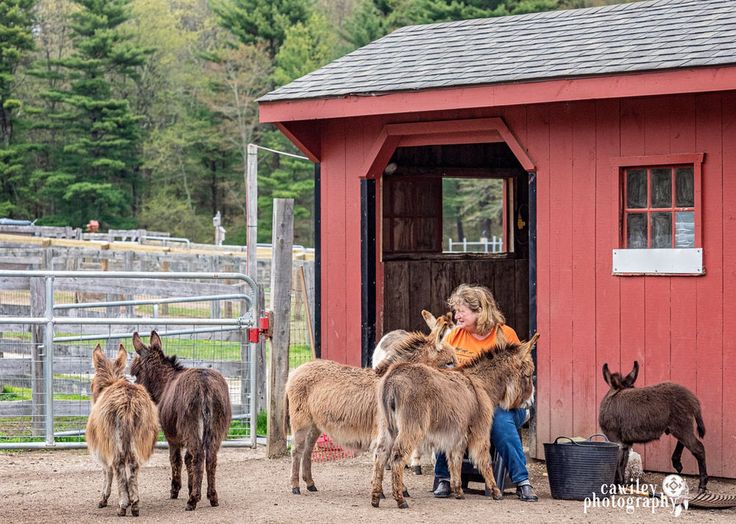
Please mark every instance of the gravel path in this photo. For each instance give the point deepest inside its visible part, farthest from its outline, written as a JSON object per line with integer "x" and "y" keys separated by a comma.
{"x": 62, "y": 486}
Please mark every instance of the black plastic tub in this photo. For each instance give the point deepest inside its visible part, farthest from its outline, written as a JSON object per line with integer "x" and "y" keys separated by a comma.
{"x": 579, "y": 469}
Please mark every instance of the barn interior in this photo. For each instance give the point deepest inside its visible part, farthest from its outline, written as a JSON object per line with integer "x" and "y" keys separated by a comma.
{"x": 435, "y": 196}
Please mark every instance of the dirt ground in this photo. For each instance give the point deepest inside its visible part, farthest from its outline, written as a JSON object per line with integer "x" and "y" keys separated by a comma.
{"x": 63, "y": 486}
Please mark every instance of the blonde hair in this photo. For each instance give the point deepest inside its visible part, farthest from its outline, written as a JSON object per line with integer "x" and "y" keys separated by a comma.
{"x": 478, "y": 299}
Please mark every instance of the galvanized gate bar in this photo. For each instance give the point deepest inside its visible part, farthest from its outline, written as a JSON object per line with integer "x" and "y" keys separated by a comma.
{"x": 49, "y": 321}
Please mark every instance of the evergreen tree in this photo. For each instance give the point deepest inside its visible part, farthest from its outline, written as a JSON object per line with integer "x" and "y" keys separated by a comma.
{"x": 95, "y": 175}
{"x": 15, "y": 41}
{"x": 366, "y": 24}
{"x": 262, "y": 21}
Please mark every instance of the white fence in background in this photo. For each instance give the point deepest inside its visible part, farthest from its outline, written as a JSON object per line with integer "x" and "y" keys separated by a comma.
{"x": 484, "y": 245}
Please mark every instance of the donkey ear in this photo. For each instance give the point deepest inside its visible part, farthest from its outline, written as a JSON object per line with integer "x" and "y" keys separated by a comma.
{"x": 155, "y": 340}
{"x": 501, "y": 340}
{"x": 121, "y": 361}
{"x": 530, "y": 344}
{"x": 98, "y": 357}
{"x": 138, "y": 344}
{"x": 429, "y": 319}
{"x": 607, "y": 374}
{"x": 438, "y": 332}
{"x": 631, "y": 377}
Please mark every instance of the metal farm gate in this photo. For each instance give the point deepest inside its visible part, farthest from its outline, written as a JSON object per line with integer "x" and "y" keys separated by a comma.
{"x": 50, "y": 321}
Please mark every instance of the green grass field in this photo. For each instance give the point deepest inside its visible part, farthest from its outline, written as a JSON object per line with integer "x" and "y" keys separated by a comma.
{"x": 18, "y": 393}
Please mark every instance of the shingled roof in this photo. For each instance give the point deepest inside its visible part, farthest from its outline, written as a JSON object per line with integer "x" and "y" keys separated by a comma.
{"x": 622, "y": 38}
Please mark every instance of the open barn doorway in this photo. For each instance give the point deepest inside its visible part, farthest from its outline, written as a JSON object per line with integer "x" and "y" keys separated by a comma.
{"x": 453, "y": 214}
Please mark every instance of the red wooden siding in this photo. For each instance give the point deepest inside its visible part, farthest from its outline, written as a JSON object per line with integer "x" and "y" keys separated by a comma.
{"x": 678, "y": 328}
{"x": 728, "y": 391}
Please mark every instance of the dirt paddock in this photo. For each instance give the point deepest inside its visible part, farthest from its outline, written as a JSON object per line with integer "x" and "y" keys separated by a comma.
{"x": 63, "y": 486}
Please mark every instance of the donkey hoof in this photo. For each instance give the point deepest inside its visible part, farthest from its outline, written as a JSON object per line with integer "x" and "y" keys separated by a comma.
{"x": 296, "y": 491}
{"x": 496, "y": 494}
{"x": 312, "y": 488}
{"x": 406, "y": 493}
{"x": 375, "y": 501}
{"x": 460, "y": 496}
{"x": 214, "y": 502}
{"x": 135, "y": 512}
{"x": 121, "y": 512}
{"x": 102, "y": 503}
{"x": 191, "y": 506}
{"x": 403, "y": 505}
{"x": 417, "y": 470}
{"x": 174, "y": 495}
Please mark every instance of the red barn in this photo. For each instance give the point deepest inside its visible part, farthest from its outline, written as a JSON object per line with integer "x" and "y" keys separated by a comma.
{"x": 610, "y": 137}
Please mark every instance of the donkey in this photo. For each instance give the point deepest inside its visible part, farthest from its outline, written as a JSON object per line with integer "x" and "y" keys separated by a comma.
{"x": 631, "y": 415}
{"x": 195, "y": 413}
{"x": 383, "y": 347}
{"x": 121, "y": 429}
{"x": 449, "y": 409}
{"x": 324, "y": 396}
{"x": 381, "y": 352}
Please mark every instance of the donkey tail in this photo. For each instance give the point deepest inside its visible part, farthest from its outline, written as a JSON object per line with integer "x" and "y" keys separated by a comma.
{"x": 699, "y": 423}
{"x": 388, "y": 393}
{"x": 287, "y": 420}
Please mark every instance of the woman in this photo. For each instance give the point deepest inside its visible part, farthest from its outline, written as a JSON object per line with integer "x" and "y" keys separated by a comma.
{"x": 477, "y": 320}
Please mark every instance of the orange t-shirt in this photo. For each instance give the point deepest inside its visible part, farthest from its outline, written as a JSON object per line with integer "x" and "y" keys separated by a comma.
{"x": 468, "y": 347}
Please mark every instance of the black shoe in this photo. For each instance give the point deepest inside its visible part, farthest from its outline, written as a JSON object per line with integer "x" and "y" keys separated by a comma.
{"x": 526, "y": 493}
{"x": 443, "y": 489}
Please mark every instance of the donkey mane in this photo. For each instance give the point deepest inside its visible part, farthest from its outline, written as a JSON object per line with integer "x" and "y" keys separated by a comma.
{"x": 493, "y": 353}
{"x": 406, "y": 349}
{"x": 173, "y": 361}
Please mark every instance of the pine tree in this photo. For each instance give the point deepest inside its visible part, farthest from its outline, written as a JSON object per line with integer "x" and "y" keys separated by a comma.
{"x": 262, "y": 21}
{"x": 15, "y": 41}
{"x": 95, "y": 174}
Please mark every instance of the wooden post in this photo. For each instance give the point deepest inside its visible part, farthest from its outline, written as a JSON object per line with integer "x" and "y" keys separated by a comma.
{"x": 305, "y": 294}
{"x": 215, "y": 304}
{"x": 283, "y": 240}
{"x": 164, "y": 308}
{"x": 38, "y": 352}
{"x": 111, "y": 345}
{"x": 128, "y": 266}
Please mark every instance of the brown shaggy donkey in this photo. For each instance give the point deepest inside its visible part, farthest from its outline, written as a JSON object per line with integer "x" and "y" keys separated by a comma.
{"x": 382, "y": 351}
{"x": 121, "y": 429}
{"x": 450, "y": 410}
{"x": 194, "y": 409}
{"x": 630, "y": 415}
{"x": 340, "y": 400}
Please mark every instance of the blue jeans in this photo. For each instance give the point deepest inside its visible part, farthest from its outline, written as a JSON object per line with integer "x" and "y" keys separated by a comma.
{"x": 505, "y": 437}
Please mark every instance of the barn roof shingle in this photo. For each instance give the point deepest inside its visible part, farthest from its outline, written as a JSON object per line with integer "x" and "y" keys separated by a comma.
{"x": 621, "y": 38}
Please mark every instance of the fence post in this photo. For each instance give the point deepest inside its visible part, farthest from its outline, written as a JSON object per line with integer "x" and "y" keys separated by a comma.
{"x": 38, "y": 310}
{"x": 281, "y": 267}
{"x": 307, "y": 274}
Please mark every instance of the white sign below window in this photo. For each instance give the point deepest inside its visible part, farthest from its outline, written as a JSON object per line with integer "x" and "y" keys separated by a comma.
{"x": 676, "y": 261}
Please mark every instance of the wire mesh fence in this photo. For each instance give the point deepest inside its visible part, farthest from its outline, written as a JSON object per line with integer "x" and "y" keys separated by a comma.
{"x": 45, "y": 401}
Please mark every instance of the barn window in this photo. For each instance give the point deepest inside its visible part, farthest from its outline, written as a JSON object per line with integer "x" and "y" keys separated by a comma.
{"x": 474, "y": 215}
{"x": 659, "y": 215}
{"x": 659, "y": 208}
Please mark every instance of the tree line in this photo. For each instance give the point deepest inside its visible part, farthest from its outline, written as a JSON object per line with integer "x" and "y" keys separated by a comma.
{"x": 137, "y": 113}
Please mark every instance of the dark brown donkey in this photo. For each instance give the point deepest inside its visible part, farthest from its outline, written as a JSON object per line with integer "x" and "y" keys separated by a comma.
{"x": 194, "y": 409}
{"x": 630, "y": 415}
{"x": 450, "y": 410}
